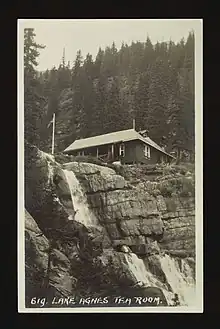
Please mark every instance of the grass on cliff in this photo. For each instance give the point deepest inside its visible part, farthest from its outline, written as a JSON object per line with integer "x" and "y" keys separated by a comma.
{"x": 64, "y": 158}
{"x": 178, "y": 179}
{"x": 182, "y": 186}
{"x": 171, "y": 179}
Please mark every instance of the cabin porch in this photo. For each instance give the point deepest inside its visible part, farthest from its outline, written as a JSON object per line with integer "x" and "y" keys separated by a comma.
{"x": 106, "y": 153}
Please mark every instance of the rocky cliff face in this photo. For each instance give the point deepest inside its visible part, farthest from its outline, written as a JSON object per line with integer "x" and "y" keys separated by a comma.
{"x": 97, "y": 231}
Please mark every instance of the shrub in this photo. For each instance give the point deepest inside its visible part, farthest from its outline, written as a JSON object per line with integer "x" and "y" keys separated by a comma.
{"x": 156, "y": 192}
{"x": 89, "y": 159}
{"x": 64, "y": 158}
{"x": 167, "y": 189}
{"x": 187, "y": 188}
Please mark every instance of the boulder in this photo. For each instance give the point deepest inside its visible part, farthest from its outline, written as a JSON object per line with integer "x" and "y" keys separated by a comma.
{"x": 60, "y": 277}
{"x": 41, "y": 199}
{"x": 146, "y": 226}
{"x": 146, "y": 249}
{"x": 83, "y": 168}
{"x": 36, "y": 247}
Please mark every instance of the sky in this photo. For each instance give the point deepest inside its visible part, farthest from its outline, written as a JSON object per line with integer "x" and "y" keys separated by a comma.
{"x": 90, "y": 34}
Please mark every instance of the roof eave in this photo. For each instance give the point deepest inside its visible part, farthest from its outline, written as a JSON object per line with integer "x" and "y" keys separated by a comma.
{"x": 146, "y": 142}
{"x": 80, "y": 148}
{"x": 96, "y": 145}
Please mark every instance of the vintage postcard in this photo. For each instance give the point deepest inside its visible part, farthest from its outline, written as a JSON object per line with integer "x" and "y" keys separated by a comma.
{"x": 110, "y": 206}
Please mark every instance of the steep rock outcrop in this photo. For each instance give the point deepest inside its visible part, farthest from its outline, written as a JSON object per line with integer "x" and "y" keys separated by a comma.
{"x": 47, "y": 270}
{"x": 74, "y": 258}
{"x": 136, "y": 212}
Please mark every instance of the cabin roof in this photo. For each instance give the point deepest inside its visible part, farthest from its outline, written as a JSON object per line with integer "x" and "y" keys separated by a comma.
{"x": 114, "y": 137}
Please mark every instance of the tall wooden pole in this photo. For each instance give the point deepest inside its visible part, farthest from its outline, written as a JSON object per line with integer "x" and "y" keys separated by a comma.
{"x": 53, "y": 133}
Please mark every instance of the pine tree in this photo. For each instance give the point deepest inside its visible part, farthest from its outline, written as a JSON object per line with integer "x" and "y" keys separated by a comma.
{"x": 88, "y": 67}
{"x": 148, "y": 55}
{"x": 98, "y": 109}
{"x": 77, "y": 67}
{"x": 64, "y": 78}
{"x": 113, "y": 114}
{"x": 109, "y": 63}
{"x": 98, "y": 63}
{"x": 141, "y": 102}
{"x": 66, "y": 130}
{"x": 30, "y": 52}
{"x": 136, "y": 57}
{"x": 33, "y": 101}
{"x": 157, "y": 104}
{"x": 88, "y": 91}
{"x": 154, "y": 84}
{"x": 78, "y": 110}
{"x": 123, "y": 59}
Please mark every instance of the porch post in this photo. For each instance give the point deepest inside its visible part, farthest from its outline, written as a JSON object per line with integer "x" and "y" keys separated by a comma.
{"x": 97, "y": 152}
{"x": 112, "y": 151}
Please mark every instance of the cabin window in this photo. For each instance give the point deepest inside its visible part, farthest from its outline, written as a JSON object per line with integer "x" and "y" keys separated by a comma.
{"x": 147, "y": 151}
{"x": 122, "y": 150}
{"x": 80, "y": 153}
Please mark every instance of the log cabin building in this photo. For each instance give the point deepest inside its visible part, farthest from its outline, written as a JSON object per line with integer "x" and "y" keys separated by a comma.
{"x": 126, "y": 146}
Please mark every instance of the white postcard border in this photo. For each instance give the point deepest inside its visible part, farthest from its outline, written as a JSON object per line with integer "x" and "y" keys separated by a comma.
{"x": 198, "y": 308}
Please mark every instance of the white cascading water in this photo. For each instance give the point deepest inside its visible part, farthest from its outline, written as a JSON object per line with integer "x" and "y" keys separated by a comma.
{"x": 83, "y": 214}
{"x": 180, "y": 279}
{"x": 137, "y": 267}
{"x": 145, "y": 277}
{"x": 50, "y": 159}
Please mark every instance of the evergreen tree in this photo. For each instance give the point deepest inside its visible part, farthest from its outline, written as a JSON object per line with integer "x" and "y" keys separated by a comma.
{"x": 136, "y": 57}
{"x": 109, "y": 64}
{"x": 153, "y": 84}
{"x": 77, "y": 68}
{"x": 113, "y": 117}
{"x": 141, "y": 103}
{"x": 98, "y": 63}
{"x": 88, "y": 91}
{"x": 66, "y": 129}
{"x": 157, "y": 104}
{"x": 78, "y": 110}
{"x": 88, "y": 67}
{"x": 148, "y": 55}
{"x": 64, "y": 78}
{"x": 123, "y": 59}
{"x": 98, "y": 109}
{"x": 33, "y": 101}
{"x": 30, "y": 52}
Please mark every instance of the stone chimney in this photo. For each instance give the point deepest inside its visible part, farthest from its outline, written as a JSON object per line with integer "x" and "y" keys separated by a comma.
{"x": 143, "y": 133}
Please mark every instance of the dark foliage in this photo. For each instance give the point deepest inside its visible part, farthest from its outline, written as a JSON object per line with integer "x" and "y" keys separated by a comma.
{"x": 153, "y": 84}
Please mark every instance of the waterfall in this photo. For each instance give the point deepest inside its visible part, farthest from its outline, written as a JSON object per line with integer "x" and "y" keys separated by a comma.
{"x": 83, "y": 214}
{"x": 50, "y": 172}
{"x": 145, "y": 277}
{"x": 178, "y": 274}
{"x": 180, "y": 278}
{"x": 46, "y": 156}
{"x": 138, "y": 269}
{"x": 50, "y": 160}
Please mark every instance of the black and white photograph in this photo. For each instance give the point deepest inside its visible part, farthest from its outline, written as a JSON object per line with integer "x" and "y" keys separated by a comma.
{"x": 110, "y": 208}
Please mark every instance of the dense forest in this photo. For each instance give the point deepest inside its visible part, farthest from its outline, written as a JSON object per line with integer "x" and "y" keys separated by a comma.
{"x": 153, "y": 84}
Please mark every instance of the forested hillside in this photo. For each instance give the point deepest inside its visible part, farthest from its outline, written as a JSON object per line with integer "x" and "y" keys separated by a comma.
{"x": 153, "y": 84}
